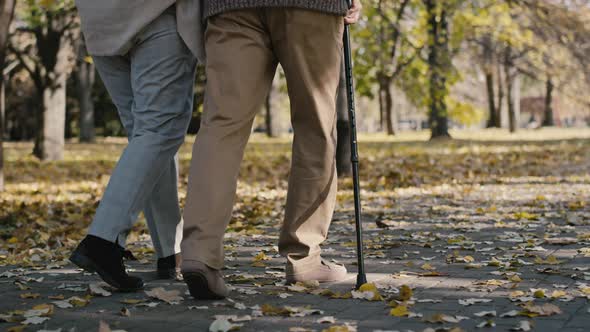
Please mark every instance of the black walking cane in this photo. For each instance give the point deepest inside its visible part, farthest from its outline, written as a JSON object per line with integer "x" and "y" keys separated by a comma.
{"x": 361, "y": 277}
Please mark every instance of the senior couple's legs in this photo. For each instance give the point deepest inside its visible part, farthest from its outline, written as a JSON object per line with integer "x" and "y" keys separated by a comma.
{"x": 243, "y": 49}
{"x": 152, "y": 87}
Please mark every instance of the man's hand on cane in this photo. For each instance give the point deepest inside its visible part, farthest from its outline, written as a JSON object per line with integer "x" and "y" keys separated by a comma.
{"x": 354, "y": 13}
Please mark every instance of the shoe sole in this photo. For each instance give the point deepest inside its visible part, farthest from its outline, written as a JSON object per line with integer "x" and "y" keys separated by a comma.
{"x": 291, "y": 279}
{"x": 199, "y": 287}
{"x": 85, "y": 263}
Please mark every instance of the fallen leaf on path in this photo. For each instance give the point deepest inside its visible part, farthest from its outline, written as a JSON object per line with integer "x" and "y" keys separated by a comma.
{"x": 405, "y": 293}
{"x": 511, "y": 313}
{"x": 125, "y": 312}
{"x": 522, "y": 326}
{"x": 36, "y": 320}
{"x": 203, "y": 307}
{"x": 223, "y": 325}
{"x": 327, "y": 320}
{"x": 468, "y": 302}
{"x": 39, "y": 310}
{"x": 170, "y": 297}
{"x": 367, "y": 292}
{"x": 234, "y": 318}
{"x": 550, "y": 260}
{"x": 19, "y": 328}
{"x": 486, "y": 323}
{"x": 399, "y": 311}
{"x": 104, "y": 327}
{"x": 97, "y": 290}
{"x": 486, "y": 313}
{"x": 30, "y": 296}
{"x": 546, "y": 309}
{"x": 63, "y": 304}
{"x": 442, "y": 318}
{"x": 340, "y": 328}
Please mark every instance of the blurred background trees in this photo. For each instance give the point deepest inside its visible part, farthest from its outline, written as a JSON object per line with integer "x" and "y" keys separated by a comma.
{"x": 6, "y": 15}
{"x": 419, "y": 64}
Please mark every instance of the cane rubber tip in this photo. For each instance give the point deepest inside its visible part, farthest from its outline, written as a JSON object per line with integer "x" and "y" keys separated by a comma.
{"x": 361, "y": 279}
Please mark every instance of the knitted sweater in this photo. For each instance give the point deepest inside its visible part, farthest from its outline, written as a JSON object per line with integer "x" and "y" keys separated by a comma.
{"x": 213, "y": 7}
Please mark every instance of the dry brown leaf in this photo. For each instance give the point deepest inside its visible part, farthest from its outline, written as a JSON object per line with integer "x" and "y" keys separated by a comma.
{"x": 170, "y": 297}
{"x": 546, "y": 309}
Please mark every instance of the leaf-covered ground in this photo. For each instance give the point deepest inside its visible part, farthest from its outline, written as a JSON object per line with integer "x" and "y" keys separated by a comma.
{"x": 488, "y": 230}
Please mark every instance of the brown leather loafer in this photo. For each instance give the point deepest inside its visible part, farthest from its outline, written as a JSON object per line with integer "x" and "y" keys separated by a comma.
{"x": 322, "y": 272}
{"x": 204, "y": 283}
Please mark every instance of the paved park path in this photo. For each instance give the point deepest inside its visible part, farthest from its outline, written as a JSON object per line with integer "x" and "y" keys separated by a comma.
{"x": 502, "y": 256}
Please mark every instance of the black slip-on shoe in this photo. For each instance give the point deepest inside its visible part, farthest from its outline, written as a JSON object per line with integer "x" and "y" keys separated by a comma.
{"x": 105, "y": 258}
{"x": 169, "y": 267}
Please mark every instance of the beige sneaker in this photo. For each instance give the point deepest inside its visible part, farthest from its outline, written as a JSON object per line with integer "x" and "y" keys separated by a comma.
{"x": 324, "y": 272}
{"x": 204, "y": 283}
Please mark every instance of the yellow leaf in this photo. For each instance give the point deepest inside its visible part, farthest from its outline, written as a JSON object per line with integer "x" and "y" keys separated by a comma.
{"x": 468, "y": 259}
{"x": 46, "y": 307}
{"x": 551, "y": 260}
{"x": 576, "y": 205}
{"x": 539, "y": 294}
{"x": 258, "y": 264}
{"x": 399, "y": 311}
{"x": 338, "y": 328}
{"x": 558, "y": 294}
{"x": 427, "y": 267}
{"x": 261, "y": 257}
{"x": 132, "y": 301}
{"x": 494, "y": 262}
{"x": 269, "y": 310}
{"x": 515, "y": 278}
{"x": 546, "y": 309}
{"x": 525, "y": 215}
{"x": 12, "y": 240}
{"x": 517, "y": 293}
{"x": 19, "y": 328}
{"x": 370, "y": 287}
{"x": 405, "y": 293}
{"x": 347, "y": 295}
{"x": 78, "y": 302}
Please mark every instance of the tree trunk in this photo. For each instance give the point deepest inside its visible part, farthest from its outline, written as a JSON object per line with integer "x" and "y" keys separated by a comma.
{"x": 391, "y": 116}
{"x": 488, "y": 68}
{"x": 382, "y": 115}
{"x": 85, "y": 77}
{"x": 6, "y": 15}
{"x": 512, "y": 89}
{"x": 438, "y": 64}
{"x": 500, "y": 102}
{"x": 2, "y": 109}
{"x": 491, "y": 101}
{"x": 271, "y": 107}
{"x": 549, "y": 121}
{"x": 50, "y": 140}
{"x": 343, "y": 152}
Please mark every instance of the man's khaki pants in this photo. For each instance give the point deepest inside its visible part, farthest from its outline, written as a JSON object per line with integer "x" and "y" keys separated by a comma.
{"x": 243, "y": 50}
